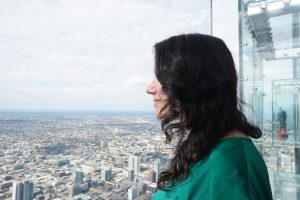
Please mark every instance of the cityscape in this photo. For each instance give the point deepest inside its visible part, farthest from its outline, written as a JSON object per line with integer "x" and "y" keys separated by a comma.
{"x": 101, "y": 156}
{"x": 80, "y": 155}
{"x": 98, "y": 55}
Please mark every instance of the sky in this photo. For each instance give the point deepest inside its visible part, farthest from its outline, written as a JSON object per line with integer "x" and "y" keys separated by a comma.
{"x": 87, "y": 55}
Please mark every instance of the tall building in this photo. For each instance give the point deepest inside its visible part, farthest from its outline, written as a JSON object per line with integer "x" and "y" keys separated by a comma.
{"x": 17, "y": 191}
{"x": 27, "y": 190}
{"x": 133, "y": 193}
{"x": 152, "y": 176}
{"x": 106, "y": 174}
{"x": 23, "y": 190}
{"x": 78, "y": 178}
{"x": 130, "y": 163}
{"x": 134, "y": 164}
{"x": 76, "y": 190}
{"x": 142, "y": 188}
{"x": 84, "y": 187}
{"x": 130, "y": 175}
{"x": 157, "y": 169}
{"x": 77, "y": 182}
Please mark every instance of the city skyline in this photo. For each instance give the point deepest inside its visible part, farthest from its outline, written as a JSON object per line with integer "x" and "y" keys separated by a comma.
{"x": 69, "y": 155}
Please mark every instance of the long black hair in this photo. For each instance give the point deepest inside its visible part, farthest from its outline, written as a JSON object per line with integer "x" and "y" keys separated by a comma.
{"x": 198, "y": 74}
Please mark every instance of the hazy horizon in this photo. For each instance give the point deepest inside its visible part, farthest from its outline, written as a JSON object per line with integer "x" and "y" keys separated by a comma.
{"x": 74, "y": 110}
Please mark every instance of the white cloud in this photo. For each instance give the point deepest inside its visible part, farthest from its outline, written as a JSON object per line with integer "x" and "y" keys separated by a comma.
{"x": 62, "y": 49}
{"x": 138, "y": 81}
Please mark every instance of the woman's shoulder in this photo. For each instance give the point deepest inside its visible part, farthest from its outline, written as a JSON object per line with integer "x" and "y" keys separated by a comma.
{"x": 229, "y": 144}
{"x": 226, "y": 168}
{"x": 236, "y": 165}
{"x": 230, "y": 155}
{"x": 233, "y": 141}
{"x": 237, "y": 158}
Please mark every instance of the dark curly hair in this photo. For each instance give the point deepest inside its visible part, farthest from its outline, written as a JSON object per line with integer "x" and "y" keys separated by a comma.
{"x": 198, "y": 74}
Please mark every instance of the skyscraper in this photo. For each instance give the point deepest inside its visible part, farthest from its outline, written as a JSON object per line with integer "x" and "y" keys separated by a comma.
{"x": 77, "y": 182}
{"x": 17, "y": 191}
{"x": 133, "y": 193}
{"x": 130, "y": 175}
{"x": 27, "y": 190}
{"x": 157, "y": 169}
{"x": 78, "y": 178}
{"x": 130, "y": 163}
{"x": 106, "y": 174}
{"x": 23, "y": 190}
{"x": 152, "y": 176}
{"x": 134, "y": 164}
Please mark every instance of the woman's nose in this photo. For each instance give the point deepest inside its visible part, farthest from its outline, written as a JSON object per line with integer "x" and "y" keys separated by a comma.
{"x": 151, "y": 88}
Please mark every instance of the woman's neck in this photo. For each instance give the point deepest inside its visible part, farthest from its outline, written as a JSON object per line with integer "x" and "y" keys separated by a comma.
{"x": 235, "y": 133}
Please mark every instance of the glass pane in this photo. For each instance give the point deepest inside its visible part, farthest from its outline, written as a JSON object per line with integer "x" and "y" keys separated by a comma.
{"x": 270, "y": 83}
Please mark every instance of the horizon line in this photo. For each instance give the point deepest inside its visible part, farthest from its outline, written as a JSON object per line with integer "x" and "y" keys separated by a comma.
{"x": 74, "y": 110}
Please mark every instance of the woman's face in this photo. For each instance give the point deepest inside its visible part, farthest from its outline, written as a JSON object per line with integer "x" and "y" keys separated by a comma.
{"x": 160, "y": 99}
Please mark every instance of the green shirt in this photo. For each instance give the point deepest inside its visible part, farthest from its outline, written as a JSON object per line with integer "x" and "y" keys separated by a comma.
{"x": 234, "y": 170}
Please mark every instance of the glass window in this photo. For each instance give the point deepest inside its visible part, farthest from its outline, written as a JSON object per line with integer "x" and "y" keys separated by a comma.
{"x": 270, "y": 85}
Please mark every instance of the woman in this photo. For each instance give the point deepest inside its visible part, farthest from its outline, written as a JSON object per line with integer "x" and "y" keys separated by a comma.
{"x": 195, "y": 97}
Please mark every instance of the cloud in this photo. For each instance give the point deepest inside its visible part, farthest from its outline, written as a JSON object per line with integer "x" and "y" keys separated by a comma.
{"x": 85, "y": 51}
{"x": 21, "y": 75}
{"x": 94, "y": 90}
{"x": 138, "y": 81}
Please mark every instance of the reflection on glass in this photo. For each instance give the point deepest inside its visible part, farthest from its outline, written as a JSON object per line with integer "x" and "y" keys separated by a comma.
{"x": 270, "y": 85}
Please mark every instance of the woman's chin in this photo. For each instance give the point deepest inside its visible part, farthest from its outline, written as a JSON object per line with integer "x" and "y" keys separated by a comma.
{"x": 158, "y": 115}
{"x": 161, "y": 115}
